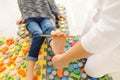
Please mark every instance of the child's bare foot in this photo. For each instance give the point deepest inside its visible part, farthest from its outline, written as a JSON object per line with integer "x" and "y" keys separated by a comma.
{"x": 58, "y": 42}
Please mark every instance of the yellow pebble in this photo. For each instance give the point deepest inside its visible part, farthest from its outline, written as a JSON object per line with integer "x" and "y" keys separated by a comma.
{"x": 27, "y": 32}
{"x": 12, "y": 67}
{"x": 12, "y": 50}
{"x": 20, "y": 54}
{"x": 63, "y": 30}
{"x": 25, "y": 45}
{"x": 62, "y": 12}
{"x": 1, "y": 59}
{"x": 61, "y": 8}
{"x": 22, "y": 32}
{"x": 62, "y": 22}
{"x": 23, "y": 25}
{"x": 44, "y": 71}
{"x": 22, "y": 28}
{"x": 28, "y": 37}
{"x": 62, "y": 26}
{"x": 57, "y": 30}
{"x": 1, "y": 76}
{"x": 62, "y": 19}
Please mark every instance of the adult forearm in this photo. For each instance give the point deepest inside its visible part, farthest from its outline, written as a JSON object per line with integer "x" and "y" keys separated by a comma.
{"x": 76, "y": 52}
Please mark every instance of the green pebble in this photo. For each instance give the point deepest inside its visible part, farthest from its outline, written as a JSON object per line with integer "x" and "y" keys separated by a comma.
{"x": 70, "y": 69}
{"x": 75, "y": 39}
{"x": 51, "y": 53}
{"x": 1, "y": 42}
{"x": 77, "y": 77}
{"x": 77, "y": 71}
{"x": 67, "y": 44}
{"x": 104, "y": 78}
{"x": 19, "y": 47}
{"x": 53, "y": 68}
{"x": 56, "y": 78}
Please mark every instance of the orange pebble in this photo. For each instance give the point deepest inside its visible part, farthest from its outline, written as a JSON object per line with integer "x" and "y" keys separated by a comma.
{"x": 2, "y": 68}
{"x": 35, "y": 78}
{"x": 25, "y": 51}
{"x": 40, "y": 52}
{"x": 9, "y": 63}
{"x": 1, "y": 64}
{"x": 83, "y": 69}
{"x": 9, "y": 41}
{"x": 4, "y": 50}
{"x": 14, "y": 58}
{"x": 22, "y": 72}
{"x": 60, "y": 73}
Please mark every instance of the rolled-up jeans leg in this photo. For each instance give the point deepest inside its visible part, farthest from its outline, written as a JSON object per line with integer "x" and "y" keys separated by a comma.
{"x": 34, "y": 28}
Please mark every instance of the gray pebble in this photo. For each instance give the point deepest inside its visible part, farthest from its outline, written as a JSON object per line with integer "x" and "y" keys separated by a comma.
{"x": 51, "y": 77}
{"x": 66, "y": 73}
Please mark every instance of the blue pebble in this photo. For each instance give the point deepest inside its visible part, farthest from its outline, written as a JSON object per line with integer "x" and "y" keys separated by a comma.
{"x": 94, "y": 79}
{"x": 49, "y": 70}
{"x": 64, "y": 78}
{"x": 75, "y": 66}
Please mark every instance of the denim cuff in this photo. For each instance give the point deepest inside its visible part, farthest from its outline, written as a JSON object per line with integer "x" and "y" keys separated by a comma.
{"x": 32, "y": 58}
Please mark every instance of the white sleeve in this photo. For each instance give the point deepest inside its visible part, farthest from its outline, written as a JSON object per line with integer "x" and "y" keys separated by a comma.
{"x": 93, "y": 16}
{"x": 105, "y": 35}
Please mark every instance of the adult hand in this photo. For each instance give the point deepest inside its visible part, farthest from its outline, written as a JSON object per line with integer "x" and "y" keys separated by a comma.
{"x": 58, "y": 62}
{"x": 21, "y": 21}
{"x": 62, "y": 17}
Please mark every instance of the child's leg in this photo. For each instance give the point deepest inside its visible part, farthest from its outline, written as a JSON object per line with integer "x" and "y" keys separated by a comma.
{"x": 37, "y": 41}
{"x": 57, "y": 44}
{"x": 30, "y": 70}
{"x": 33, "y": 56}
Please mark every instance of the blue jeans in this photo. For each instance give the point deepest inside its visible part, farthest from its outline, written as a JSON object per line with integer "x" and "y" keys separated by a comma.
{"x": 38, "y": 26}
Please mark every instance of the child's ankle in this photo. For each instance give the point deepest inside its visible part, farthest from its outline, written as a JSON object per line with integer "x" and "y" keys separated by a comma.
{"x": 29, "y": 75}
{"x": 51, "y": 43}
